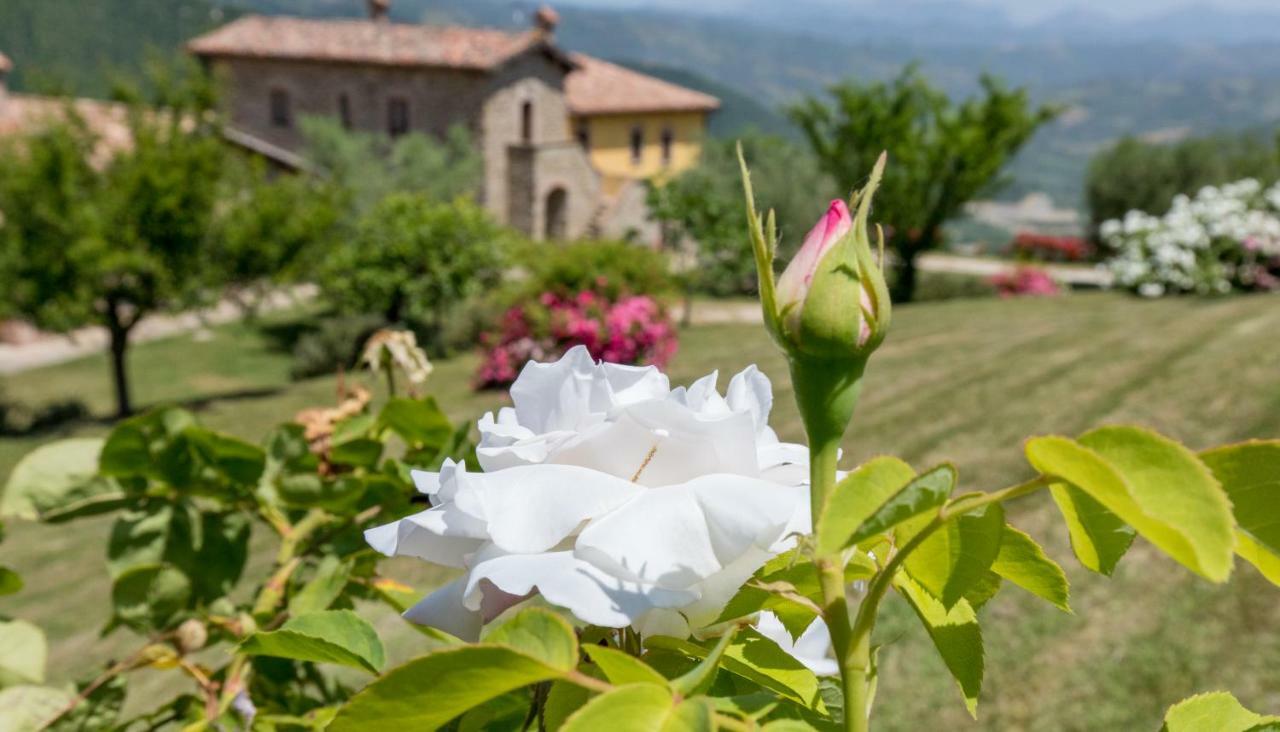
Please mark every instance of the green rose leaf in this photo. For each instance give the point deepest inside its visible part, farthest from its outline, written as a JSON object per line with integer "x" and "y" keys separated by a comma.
{"x": 10, "y": 581}
{"x": 1250, "y": 474}
{"x": 24, "y": 708}
{"x": 354, "y": 427}
{"x": 928, "y": 491}
{"x": 1153, "y": 484}
{"x": 788, "y": 725}
{"x": 787, "y": 585}
{"x": 541, "y": 634}
{"x": 418, "y": 422}
{"x": 620, "y": 668}
{"x": 330, "y": 636}
{"x": 1024, "y": 563}
{"x": 428, "y": 692}
{"x": 1098, "y": 537}
{"x": 308, "y": 490}
{"x": 25, "y": 650}
{"x": 127, "y": 452}
{"x": 98, "y": 711}
{"x": 984, "y": 590}
{"x": 1217, "y": 711}
{"x": 956, "y": 557}
{"x": 147, "y": 597}
{"x": 642, "y": 708}
{"x": 955, "y": 633}
{"x": 210, "y": 548}
{"x": 60, "y": 481}
{"x": 856, "y": 498}
{"x": 238, "y": 461}
{"x": 563, "y": 699}
{"x": 325, "y": 586}
{"x": 358, "y": 453}
{"x": 506, "y": 712}
{"x": 756, "y": 659}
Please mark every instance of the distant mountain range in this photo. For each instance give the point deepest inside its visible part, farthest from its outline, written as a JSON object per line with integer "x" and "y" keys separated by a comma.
{"x": 966, "y": 23}
{"x": 1182, "y": 72}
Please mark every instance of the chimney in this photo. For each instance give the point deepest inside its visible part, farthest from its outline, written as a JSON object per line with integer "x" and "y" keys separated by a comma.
{"x": 5, "y": 67}
{"x": 546, "y": 20}
{"x": 379, "y": 10}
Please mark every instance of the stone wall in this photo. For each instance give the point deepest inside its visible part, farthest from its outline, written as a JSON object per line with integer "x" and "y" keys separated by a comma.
{"x": 531, "y": 78}
{"x": 537, "y": 173}
{"x": 437, "y": 98}
{"x": 489, "y": 104}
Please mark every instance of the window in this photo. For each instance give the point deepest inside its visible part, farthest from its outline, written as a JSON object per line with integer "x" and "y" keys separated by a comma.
{"x": 281, "y": 115}
{"x": 668, "y": 137}
{"x": 344, "y": 111}
{"x": 584, "y": 134}
{"x": 397, "y": 116}
{"x": 637, "y": 144}
{"x": 526, "y": 122}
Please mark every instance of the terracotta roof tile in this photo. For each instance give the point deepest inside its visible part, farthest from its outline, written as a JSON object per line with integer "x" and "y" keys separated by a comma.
{"x": 365, "y": 41}
{"x": 109, "y": 121}
{"x": 594, "y": 87}
{"x": 599, "y": 87}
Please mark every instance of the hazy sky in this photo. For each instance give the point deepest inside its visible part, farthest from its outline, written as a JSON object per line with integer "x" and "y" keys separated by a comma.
{"x": 1019, "y": 9}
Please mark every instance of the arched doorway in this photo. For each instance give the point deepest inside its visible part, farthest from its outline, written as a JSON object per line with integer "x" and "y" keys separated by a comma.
{"x": 557, "y": 210}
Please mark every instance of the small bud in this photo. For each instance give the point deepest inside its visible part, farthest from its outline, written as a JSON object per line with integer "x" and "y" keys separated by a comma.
{"x": 191, "y": 636}
{"x": 832, "y": 301}
{"x": 157, "y": 655}
{"x": 829, "y": 310}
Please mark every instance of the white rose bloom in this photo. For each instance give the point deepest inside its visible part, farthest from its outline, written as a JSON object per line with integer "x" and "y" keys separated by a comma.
{"x": 613, "y": 496}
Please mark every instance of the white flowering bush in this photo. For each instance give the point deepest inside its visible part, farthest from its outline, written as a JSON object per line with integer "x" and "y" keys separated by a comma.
{"x": 1224, "y": 238}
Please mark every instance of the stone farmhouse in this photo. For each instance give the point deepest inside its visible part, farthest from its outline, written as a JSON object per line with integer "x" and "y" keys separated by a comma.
{"x": 567, "y": 139}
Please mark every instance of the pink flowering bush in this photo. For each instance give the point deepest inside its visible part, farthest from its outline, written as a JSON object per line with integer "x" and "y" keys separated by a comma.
{"x": 629, "y": 329}
{"x": 1025, "y": 281}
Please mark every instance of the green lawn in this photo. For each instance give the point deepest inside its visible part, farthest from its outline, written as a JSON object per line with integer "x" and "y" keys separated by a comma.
{"x": 963, "y": 381}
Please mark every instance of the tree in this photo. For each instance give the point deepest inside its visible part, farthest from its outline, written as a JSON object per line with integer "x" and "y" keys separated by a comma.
{"x": 942, "y": 154}
{"x": 705, "y": 204}
{"x": 1134, "y": 175}
{"x": 98, "y": 236}
{"x": 372, "y": 166}
{"x": 413, "y": 259}
{"x": 273, "y": 229}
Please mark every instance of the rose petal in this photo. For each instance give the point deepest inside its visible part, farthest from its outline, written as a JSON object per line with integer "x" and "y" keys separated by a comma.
{"x": 532, "y": 508}
{"x": 593, "y": 596}
{"x": 442, "y": 534}
{"x": 812, "y": 648}
{"x": 678, "y": 536}
{"x": 445, "y": 610}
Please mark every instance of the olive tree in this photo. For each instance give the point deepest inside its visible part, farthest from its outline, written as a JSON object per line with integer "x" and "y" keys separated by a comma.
{"x": 98, "y": 236}
{"x": 412, "y": 259}
{"x": 943, "y": 153}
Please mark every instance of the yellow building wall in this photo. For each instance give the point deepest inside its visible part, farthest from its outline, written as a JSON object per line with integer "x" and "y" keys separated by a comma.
{"x": 610, "y": 144}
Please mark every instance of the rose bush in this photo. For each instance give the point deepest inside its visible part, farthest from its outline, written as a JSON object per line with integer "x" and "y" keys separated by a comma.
{"x": 628, "y": 329}
{"x": 1047, "y": 248}
{"x": 631, "y": 555}
{"x": 1025, "y": 281}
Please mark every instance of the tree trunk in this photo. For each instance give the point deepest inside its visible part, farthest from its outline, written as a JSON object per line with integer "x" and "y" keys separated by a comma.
{"x": 395, "y": 308}
{"x": 119, "y": 372}
{"x": 904, "y": 283}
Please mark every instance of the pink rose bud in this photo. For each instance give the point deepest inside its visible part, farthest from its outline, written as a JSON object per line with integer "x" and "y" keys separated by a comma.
{"x": 831, "y": 301}
{"x": 797, "y": 278}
